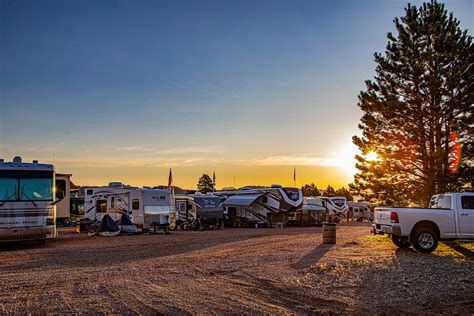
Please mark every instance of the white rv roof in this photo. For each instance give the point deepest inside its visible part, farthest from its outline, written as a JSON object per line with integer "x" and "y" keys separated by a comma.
{"x": 26, "y": 166}
{"x": 242, "y": 199}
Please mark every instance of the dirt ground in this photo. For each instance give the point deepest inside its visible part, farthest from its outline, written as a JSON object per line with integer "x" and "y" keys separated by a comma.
{"x": 276, "y": 271}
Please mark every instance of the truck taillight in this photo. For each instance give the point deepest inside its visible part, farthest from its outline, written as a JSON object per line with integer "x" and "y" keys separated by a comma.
{"x": 393, "y": 217}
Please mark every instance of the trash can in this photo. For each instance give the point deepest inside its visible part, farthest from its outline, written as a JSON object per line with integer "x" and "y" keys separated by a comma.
{"x": 329, "y": 233}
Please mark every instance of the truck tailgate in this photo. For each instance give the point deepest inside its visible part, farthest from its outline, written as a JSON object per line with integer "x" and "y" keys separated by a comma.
{"x": 382, "y": 216}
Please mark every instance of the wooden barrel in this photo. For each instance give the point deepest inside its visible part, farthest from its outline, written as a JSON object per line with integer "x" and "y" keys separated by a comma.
{"x": 329, "y": 233}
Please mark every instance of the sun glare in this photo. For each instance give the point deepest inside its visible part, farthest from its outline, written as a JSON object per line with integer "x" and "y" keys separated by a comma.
{"x": 345, "y": 158}
{"x": 371, "y": 156}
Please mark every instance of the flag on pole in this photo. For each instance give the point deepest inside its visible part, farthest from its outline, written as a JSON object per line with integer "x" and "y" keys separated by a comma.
{"x": 170, "y": 182}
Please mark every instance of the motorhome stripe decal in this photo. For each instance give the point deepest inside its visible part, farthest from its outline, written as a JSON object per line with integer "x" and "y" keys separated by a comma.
{"x": 90, "y": 209}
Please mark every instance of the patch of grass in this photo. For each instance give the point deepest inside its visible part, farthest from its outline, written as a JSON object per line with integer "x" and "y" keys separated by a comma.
{"x": 455, "y": 249}
{"x": 379, "y": 239}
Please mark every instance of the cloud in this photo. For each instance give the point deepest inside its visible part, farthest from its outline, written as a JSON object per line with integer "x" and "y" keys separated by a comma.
{"x": 156, "y": 150}
{"x": 301, "y": 160}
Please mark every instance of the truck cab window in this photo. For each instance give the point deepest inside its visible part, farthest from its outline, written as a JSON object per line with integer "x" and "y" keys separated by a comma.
{"x": 467, "y": 202}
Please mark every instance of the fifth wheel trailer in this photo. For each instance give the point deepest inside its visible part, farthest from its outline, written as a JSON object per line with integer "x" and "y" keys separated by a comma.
{"x": 261, "y": 206}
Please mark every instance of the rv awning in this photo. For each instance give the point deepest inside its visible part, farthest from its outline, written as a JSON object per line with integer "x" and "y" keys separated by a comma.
{"x": 313, "y": 207}
{"x": 242, "y": 199}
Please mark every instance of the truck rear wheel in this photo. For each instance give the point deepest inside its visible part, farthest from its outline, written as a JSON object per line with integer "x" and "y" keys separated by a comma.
{"x": 399, "y": 242}
{"x": 425, "y": 240}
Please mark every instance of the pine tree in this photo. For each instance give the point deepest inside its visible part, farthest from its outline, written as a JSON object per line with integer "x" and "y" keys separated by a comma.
{"x": 344, "y": 192}
{"x": 329, "y": 191}
{"x": 310, "y": 190}
{"x": 418, "y": 112}
{"x": 205, "y": 184}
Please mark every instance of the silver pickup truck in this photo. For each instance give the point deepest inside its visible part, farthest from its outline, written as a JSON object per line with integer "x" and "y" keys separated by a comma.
{"x": 449, "y": 216}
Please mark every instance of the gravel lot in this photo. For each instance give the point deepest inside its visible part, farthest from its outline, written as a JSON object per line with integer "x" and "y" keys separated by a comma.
{"x": 234, "y": 271}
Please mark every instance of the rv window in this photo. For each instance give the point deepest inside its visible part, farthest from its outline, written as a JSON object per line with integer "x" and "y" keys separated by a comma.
{"x": 101, "y": 206}
{"x": 135, "y": 204}
{"x": 264, "y": 199}
{"x": 60, "y": 189}
{"x": 112, "y": 202}
{"x": 89, "y": 192}
{"x": 162, "y": 197}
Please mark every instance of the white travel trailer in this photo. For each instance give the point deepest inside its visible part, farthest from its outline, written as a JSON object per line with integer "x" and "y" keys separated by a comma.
{"x": 265, "y": 206}
{"x": 63, "y": 191}
{"x": 27, "y": 201}
{"x": 336, "y": 204}
{"x": 150, "y": 209}
{"x": 361, "y": 211}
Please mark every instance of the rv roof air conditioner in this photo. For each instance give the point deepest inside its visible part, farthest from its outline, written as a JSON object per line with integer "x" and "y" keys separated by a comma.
{"x": 116, "y": 184}
{"x": 17, "y": 159}
{"x": 276, "y": 186}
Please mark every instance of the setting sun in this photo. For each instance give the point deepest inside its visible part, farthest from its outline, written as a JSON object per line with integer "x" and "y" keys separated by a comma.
{"x": 371, "y": 156}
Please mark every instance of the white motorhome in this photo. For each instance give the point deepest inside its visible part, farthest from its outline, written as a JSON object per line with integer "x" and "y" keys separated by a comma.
{"x": 27, "y": 201}
{"x": 266, "y": 206}
{"x": 150, "y": 209}
{"x": 336, "y": 204}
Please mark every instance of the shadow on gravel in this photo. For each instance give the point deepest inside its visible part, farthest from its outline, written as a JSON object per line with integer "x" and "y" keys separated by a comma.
{"x": 106, "y": 251}
{"x": 20, "y": 245}
{"x": 419, "y": 283}
{"x": 312, "y": 257}
{"x": 461, "y": 249}
{"x": 295, "y": 300}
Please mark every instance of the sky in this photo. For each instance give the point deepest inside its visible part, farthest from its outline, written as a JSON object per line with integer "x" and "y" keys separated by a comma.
{"x": 112, "y": 90}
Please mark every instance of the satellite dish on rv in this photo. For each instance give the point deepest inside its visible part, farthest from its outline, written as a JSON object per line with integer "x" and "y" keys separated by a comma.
{"x": 17, "y": 159}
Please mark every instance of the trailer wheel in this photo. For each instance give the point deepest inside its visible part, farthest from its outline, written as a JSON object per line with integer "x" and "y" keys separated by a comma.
{"x": 425, "y": 240}
{"x": 179, "y": 227}
{"x": 399, "y": 242}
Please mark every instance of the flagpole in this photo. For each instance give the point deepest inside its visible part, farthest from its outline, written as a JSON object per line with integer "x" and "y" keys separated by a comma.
{"x": 294, "y": 175}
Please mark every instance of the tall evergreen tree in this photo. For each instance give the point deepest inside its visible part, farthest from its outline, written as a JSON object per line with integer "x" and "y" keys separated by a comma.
{"x": 205, "y": 184}
{"x": 418, "y": 111}
{"x": 329, "y": 191}
{"x": 344, "y": 192}
{"x": 310, "y": 190}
